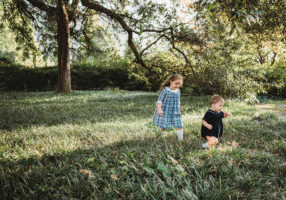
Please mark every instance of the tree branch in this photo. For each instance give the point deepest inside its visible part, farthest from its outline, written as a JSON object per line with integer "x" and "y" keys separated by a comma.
{"x": 181, "y": 52}
{"x": 74, "y": 11}
{"x": 157, "y": 31}
{"x": 120, "y": 19}
{"x": 108, "y": 12}
{"x": 42, "y": 6}
{"x": 123, "y": 24}
{"x": 274, "y": 57}
{"x": 141, "y": 53}
{"x": 90, "y": 46}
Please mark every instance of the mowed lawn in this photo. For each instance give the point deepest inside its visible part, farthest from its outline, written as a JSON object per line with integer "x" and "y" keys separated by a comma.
{"x": 102, "y": 145}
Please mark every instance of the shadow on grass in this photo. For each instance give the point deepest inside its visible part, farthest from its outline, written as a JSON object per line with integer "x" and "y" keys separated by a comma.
{"x": 120, "y": 170}
{"x": 23, "y": 110}
{"x": 141, "y": 168}
{"x": 91, "y": 109}
{"x": 263, "y": 132}
{"x": 152, "y": 168}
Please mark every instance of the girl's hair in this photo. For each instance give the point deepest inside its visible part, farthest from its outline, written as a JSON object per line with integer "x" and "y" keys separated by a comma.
{"x": 173, "y": 77}
{"x": 215, "y": 99}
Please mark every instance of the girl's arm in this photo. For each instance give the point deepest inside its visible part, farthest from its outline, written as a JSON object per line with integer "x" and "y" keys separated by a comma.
{"x": 159, "y": 108}
{"x": 207, "y": 125}
{"x": 160, "y": 102}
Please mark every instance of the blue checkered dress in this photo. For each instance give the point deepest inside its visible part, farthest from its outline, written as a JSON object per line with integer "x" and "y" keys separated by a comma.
{"x": 171, "y": 109}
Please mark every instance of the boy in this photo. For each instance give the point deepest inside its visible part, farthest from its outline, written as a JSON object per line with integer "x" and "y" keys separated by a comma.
{"x": 212, "y": 126}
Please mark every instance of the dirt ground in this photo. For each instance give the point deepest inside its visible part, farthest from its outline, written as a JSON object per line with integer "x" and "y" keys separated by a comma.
{"x": 279, "y": 109}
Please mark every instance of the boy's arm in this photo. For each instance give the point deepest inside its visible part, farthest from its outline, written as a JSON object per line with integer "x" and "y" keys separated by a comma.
{"x": 207, "y": 125}
{"x": 227, "y": 114}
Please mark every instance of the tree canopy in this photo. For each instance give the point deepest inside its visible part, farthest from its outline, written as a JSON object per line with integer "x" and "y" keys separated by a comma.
{"x": 192, "y": 37}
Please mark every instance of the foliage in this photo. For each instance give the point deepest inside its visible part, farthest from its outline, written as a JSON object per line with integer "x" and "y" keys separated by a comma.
{"x": 100, "y": 145}
{"x": 161, "y": 65}
{"x": 100, "y": 75}
{"x": 11, "y": 52}
{"x": 15, "y": 77}
{"x": 228, "y": 82}
{"x": 276, "y": 80}
{"x": 218, "y": 63}
{"x": 21, "y": 29}
{"x": 96, "y": 43}
{"x": 227, "y": 47}
{"x": 7, "y": 57}
{"x": 258, "y": 17}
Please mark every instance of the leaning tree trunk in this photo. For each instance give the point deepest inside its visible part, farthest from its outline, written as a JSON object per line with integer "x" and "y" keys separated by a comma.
{"x": 64, "y": 78}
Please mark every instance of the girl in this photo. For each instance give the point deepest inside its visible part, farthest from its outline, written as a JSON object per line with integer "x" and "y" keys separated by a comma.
{"x": 167, "y": 113}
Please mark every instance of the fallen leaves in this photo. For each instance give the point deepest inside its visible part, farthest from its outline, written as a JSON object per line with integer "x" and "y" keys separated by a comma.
{"x": 87, "y": 173}
{"x": 175, "y": 162}
{"x": 235, "y": 144}
{"x": 114, "y": 177}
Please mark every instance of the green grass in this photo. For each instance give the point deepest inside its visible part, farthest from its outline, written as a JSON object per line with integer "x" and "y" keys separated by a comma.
{"x": 101, "y": 145}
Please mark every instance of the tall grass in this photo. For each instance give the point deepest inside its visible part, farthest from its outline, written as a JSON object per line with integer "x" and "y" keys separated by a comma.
{"x": 101, "y": 145}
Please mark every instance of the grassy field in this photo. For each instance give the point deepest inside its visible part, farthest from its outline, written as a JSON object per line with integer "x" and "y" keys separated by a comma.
{"x": 101, "y": 145}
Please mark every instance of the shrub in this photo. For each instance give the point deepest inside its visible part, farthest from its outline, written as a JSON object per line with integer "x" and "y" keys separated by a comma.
{"x": 31, "y": 79}
{"x": 276, "y": 80}
{"x": 7, "y": 57}
{"x": 86, "y": 77}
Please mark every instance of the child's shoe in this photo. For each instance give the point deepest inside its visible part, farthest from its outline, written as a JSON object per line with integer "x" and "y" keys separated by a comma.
{"x": 205, "y": 145}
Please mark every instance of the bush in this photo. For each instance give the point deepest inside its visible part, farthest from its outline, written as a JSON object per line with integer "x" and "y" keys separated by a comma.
{"x": 224, "y": 80}
{"x": 15, "y": 77}
{"x": 84, "y": 77}
{"x": 276, "y": 80}
{"x": 7, "y": 57}
{"x": 225, "y": 76}
{"x": 227, "y": 82}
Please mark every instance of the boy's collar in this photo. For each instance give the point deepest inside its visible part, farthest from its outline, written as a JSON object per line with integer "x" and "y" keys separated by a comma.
{"x": 213, "y": 111}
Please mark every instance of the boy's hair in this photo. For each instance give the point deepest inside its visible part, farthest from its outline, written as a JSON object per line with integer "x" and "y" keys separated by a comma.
{"x": 173, "y": 77}
{"x": 215, "y": 99}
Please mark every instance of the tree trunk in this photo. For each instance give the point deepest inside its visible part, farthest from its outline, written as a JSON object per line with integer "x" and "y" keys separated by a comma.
{"x": 273, "y": 59}
{"x": 64, "y": 78}
{"x": 261, "y": 57}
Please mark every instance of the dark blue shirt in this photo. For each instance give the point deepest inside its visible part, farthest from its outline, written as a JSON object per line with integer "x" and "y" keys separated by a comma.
{"x": 215, "y": 119}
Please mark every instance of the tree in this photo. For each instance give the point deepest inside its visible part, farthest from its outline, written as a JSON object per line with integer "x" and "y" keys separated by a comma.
{"x": 52, "y": 19}
{"x": 44, "y": 16}
{"x": 262, "y": 20}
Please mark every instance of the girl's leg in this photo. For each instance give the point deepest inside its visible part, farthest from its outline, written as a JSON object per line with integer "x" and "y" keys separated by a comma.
{"x": 180, "y": 134}
{"x": 163, "y": 131}
{"x": 211, "y": 140}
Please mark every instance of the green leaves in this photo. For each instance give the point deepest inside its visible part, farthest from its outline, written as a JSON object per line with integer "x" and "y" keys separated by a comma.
{"x": 164, "y": 169}
{"x": 233, "y": 26}
{"x": 141, "y": 28}
{"x": 90, "y": 160}
{"x": 149, "y": 170}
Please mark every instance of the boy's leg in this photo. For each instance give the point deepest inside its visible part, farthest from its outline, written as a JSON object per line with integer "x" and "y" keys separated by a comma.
{"x": 211, "y": 140}
{"x": 180, "y": 134}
